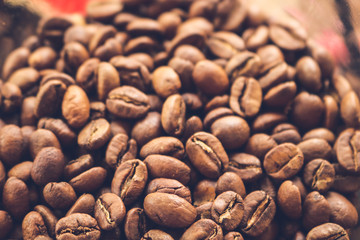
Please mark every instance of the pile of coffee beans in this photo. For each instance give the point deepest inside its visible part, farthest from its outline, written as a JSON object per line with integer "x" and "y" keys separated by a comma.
{"x": 188, "y": 120}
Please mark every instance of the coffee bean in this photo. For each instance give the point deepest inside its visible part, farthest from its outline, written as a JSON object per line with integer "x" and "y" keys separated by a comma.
{"x": 289, "y": 35}
{"x": 289, "y": 199}
{"x": 207, "y": 154}
{"x": 343, "y": 182}
{"x": 283, "y": 161}
{"x": 256, "y": 37}
{"x": 204, "y": 191}
{"x": 166, "y": 185}
{"x": 173, "y": 115}
{"x": 259, "y": 144}
{"x": 326, "y": 231}
{"x": 103, "y": 11}
{"x": 147, "y": 129}
{"x": 165, "y": 81}
{"x": 90, "y": 180}
{"x": 135, "y": 224}
{"x": 95, "y": 134}
{"x": 109, "y": 211}
{"x": 11, "y": 97}
{"x": 315, "y": 148}
{"x": 308, "y": 74}
{"x": 233, "y": 236}
{"x": 77, "y": 226}
{"x": 285, "y": 132}
{"x": 230, "y": 181}
{"x": 319, "y": 175}
{"x": 76, "y": 106}
{"x": 350, "y": 109}
{"x": 202, "y": 229}
{"x": 42, "y": 58}
{"x": 62, "y": 131}
{"x": 74, "y": 54}
{"x": 120, "y": 148}
{"x": 227, "y": 210}
{"x": 155, "y": 234}
{"x": 59, "y": 195}
{"x": 84, "y": 204}
{"x": 281, "y": 94}
{"x": 322, "y": 133}
{"x": 42, "y": 138}
{"x": 107, "y": 79}
{"x": 169, "y": 210}
{"x": 346, "y": 147}
{"x": 216, "y": 114}
{"x": 246, "y": 166}
{"x": 169, "y": 146}
{"x": 26, "y": 79}
{"x": 33, "y": 225}
{"x": 11, "y": 144}
{"x": 14, "y": 61}
{"x": 259, "y": 211}
{"x": 230, "y": 16}
{"x": 78, "y": 165}
{"x": 3, "y": 175}
{"x": 316, "y": 210}
{"x": 129, "y": 180}
{"x": 225, "y": 44}
{"x": 266, "y": 121}
{"x": 48, "y": 217}
{"x": 15, "y": 197}
{"x": 246, "y": 97}
{"x": 243, "y": 64}
{"x": 6, "y": 223}
{"x": 85, "y": 75}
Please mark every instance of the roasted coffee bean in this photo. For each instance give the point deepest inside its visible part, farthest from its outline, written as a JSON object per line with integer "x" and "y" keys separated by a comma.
{"x": 95, "y": 134}
{"x": 107, "y": 79}
{"x": 147, "y": 128}
{"x": 11, "y": 144}
{"x": 243, "y": 64}
{"x": 89, "y": 181}
{"x": 76, "y": 106}
{"x": 78, "y": 165}
{"x": 59, "y": 195}
{"x": 27, "y": 116}
{"x": 15, "y": 197}
{"x": 315, "y": 148}
{"x": 42, "y": 58}
{"x": 289, "y": 199}
{"x": 285, "y": 132}
{"x": 33, "y": 225}
{"x": 40, "y": 139}
{"x": 203, "y": 229}
{"x": 6, "y": 224}
{"x": 48, "y": 166}
{"x": 49, "y": 218}
{"x": 85, "y": 75}
{"x": 84, "y": 204}
{"x": 308, "y": 74}
{"x": 350, "y": 109}
{"x": 165, "y": 81}
{"x": 11, "y": 97}
{"x": 216, "y": 114}
{"x": 109, "y": 211}
{"x": 62, "y": 131}
{"x": 26, "y": 79}
{"x": 342, "y": 211}
{"x": 129, "y": 180}
{"x": 204, "y": 211}
{"x": 169, "y": 146}
{"x": 210, "y": 78}
{"x": 3, "y": 175}
{"x": 155, "y": 234}
{"x": 204, "y": 191}
{"x": 256, "y": 37}
{"x": 289, "y": 35}
{"x": 120, "y": 148}
{"x": 227, "y": 210}
{"x": 160, "y": 166}
{"x": 15, "y": 60}
{"x": 247, "y": 166}
{"x": 135, "y": 224}
{"x": 343, "y": 182}
{"x": 328, "y": 231}
{"x": 319, "y": 175}
{"x": 173, "y": 115}
{"x": 233, "y": 236}
{"x": 259, "y": 211}
{"x": 74, "y": 54}
{"x": 346, "y": 147}
{"x": 230, "y": 15}
{"x": 316, "y": 210}
{"x": 20, "y": 171}
{"x": 322, "y": 133}
{"x": 225, "y": 44}
{"x": 127, "y": 102}
{"x": 77, "y": 226}
{"x": 283, "y": 161}
{"x": 207, "y": 154}
{"x": 259, "y": 144}
{"x": 169, "y": 210}
{"x": 246, "y": 97}
{"x": 230, "y": 181}
{"x": 281, "y": 94}
{"x": 266, "y": 121}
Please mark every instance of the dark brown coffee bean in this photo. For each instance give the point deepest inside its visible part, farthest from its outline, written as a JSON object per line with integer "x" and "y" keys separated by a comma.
{"x": 3, "y": 175}
{"x": 256, "y": 37}
{"x": 283, "y": 161}
{"x": 308, "y": 74}
{"x": 62, "y": 131}
{"x": 266, "y": 121}
{"x": 342, "y": 211}
{"x": 40, "y": 139}
{"x": 259, "y": 211}
{"x": 59, "y": 195}
{"x": 78, "y": 165}
{"x": 27, "y": 116}
{"x": 15, "y": 197}
{"x": 207, "y": 154}
{"x": 322, "y": 133}
{"x": 347, "y": 146}
{"x": 147, "y": 128}
{"x": 84, "y": 204}
{"x": 49, "y": 98}
{"x": 227, "y": 210}
{"x": 127, "y": 102}
{"x": 289, "y": 199}
{"x": 76, "y": 106}
{"x": 48, "y": 166}
{"x": 119, "y": 149}
{"x": 85, "y": 76}
{"x": 169, "y": 210}
{"x": 203, "y": 229}
{"x": 315, "y": 148}
{"x": 215, "y": 114}
{"x": 49, "y": 218}
{"x": 232, "y": 131}
{"x": 109, "y": 211}
{"x": 26, "y": 79}
{"x": 77, "y": 226}
{"x": 230, "y": 181}
{"x": 259, "y": 144}
{"x": 246, "y": 166}
{"x": 204, "y": 191}
{"x": 74, "y": 54}
{"x": 189, "y": 53}
{"x": 11, "y": 144}
{"x": 15, "y": 60}
{"x": 135, "y": 224}
{"x": 316, "y": 210}
{"x": 33, "y": 225}
{"x": 289, "y": 35}
{"x": 42, "y": 58}
{"x": 6, "y": 224}
{"x": 155, "y": 103}
{"x": 56, "y": 75}
{"x": 165, "y": 81}
{"x": 107, "y": 79}
{"x": 350, "y": 109}
{"x": 210, "y": 78}
{"x": 173, "y": 115}
{"x": 225, "y": 44}
{"x": 132, "y": 72}
{"x": 307, "y": 110}
{"x": 281, "y": 94}
{"x": 169, "y": 146}
{"x": 319, "y": 175}
{"x": 155, "y": 234}
{"x": 246, "y": 97}
{"x": 233, "y": 236}
{"x": 160, "y": 166}
{"x": 230, "y": 15}
{"x": 167, "y": 185}
{"x": 11, "y": 97}
{"x": 90, "y": 180}
{"x": 129, "y": 180}
{"x": 327, "y": 231}
{"x": 95, "y": 134}
{"x": 192, "y": 101}
{"x": 243, "y": 64}
{"x": 285, "y": 132}
{"x": 20, "y": 171}
{"x": 100, "y": 36}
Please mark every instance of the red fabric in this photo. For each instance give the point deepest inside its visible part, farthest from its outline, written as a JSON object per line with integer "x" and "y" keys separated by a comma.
{"x": 68, "y": 6}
